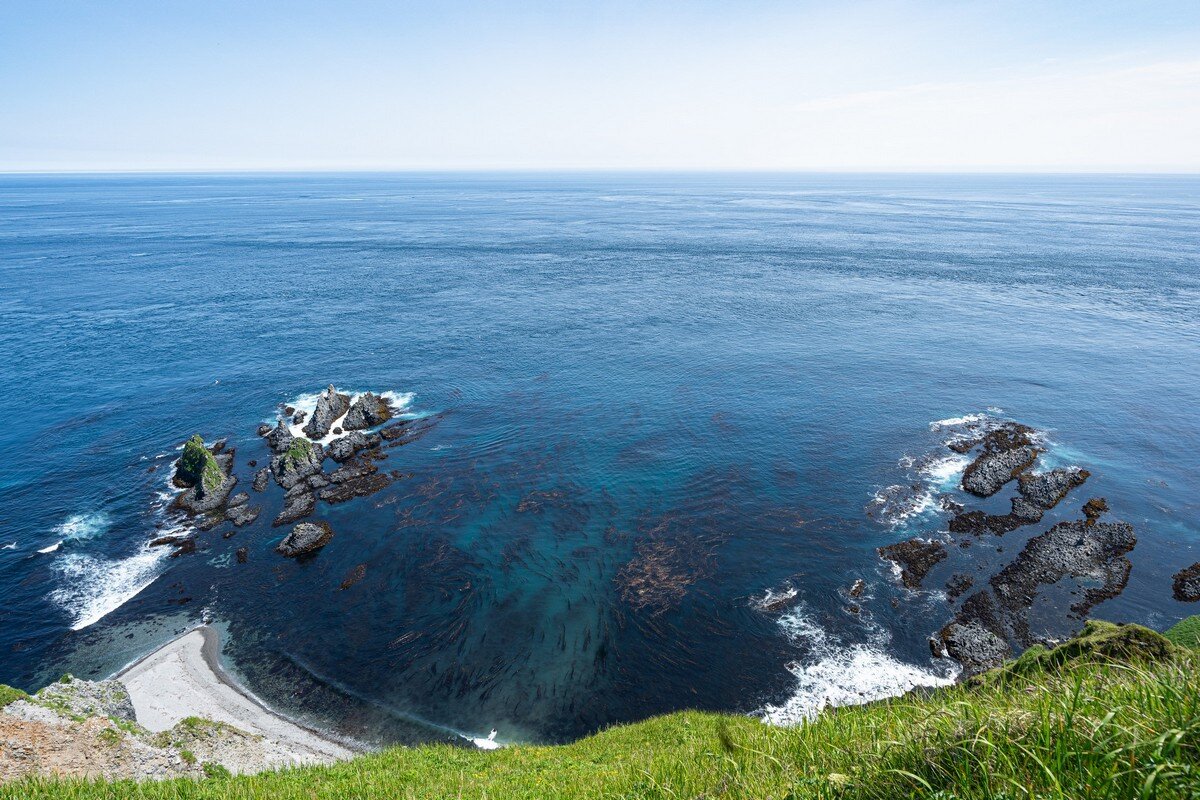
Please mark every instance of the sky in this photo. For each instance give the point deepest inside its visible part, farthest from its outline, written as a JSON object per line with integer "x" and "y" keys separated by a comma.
{"x": 925, "y": 85}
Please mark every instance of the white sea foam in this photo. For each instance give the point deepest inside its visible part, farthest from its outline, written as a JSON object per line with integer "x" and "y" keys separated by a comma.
{"x": 9, "y": 546}
{"x": 92, "y": 587}
{"x": 773, "y": 597}
{"x": 944, "y": 473}
{"x": 81, "y": 527}
{"x": 838, "y": 675}
{"x": 51, "y": 548}
{"x": 954, "y": 422}
{"x": 399, "y": 402}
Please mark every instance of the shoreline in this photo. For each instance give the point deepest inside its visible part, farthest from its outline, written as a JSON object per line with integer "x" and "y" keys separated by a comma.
{"x": 184, "y": 678}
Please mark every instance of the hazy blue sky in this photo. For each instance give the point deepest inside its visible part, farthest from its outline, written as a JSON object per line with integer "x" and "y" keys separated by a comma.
{"x": 163, "y": 84}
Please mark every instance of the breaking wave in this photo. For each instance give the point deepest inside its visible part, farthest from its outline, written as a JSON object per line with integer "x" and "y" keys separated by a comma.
{"x": 836, "y": 674}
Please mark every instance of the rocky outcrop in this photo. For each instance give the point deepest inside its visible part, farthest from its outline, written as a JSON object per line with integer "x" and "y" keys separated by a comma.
{"x": 298, "y": 503}
{"x": 301, "y": 459}
{"x": 915, "y": 558}
{"x": 207, "y": 475}
{"x": 279, "y": 438}
{"x": 261, "y": 479}
{"x": 1041, "y": 492}
{"x": 1094, "y": 509}
{"x": 243, "y": 515}
{"x": 976, "y": 637}
{"x": 330, "y": 406}
{"x": 367, "y": 411}
{"x": 1007, "y": 451}
{"x": 344, "y": 447}
{"x": 307, "y": 537}
{"x": 1186, "y": 584}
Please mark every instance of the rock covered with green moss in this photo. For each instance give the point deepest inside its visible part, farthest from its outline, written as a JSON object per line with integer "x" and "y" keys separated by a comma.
{"x": 198, "y": 467}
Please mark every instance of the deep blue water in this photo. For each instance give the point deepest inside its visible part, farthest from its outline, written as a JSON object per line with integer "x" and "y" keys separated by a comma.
{"x": 713, "y": 374}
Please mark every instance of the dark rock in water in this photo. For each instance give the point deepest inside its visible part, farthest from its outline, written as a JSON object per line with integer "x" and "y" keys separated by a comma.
{"x": 218, "y": 446}
{"x": 279, "y": 438}
{"x": 337, "y": 431}
{"x": 289, "y": 410}
{"x": 307, "y": 537}
{"x": 252, "y": 463}
{"x": 198, "y": 466}
{"x": 351, "y": 470}
{"x": 243, "y": 555}
{"x": 916, "y": 558}
{"x": 228, "y": 534}
{"x": 160, "y": 541}
{"x": 990, "y": 471}
{"x": 367, "y": 411}
{"x": 1186, "y": 584}
{"x": 344, "y": 448}
{"x": 299, "y": 417}
{"x": 1093, "y": 509}
{"x": 260, "y": 479}
{"x": 395, "y": 431}
{"x": 301, "y": 459}
{"x": 1007, "y": 452}
{"x": 239, "y": 499}
{"x": 858, "y": 588}
{"x": 185, "y": 547}
{"x": 211, "y": 520}
{"x": 950, "y": 505}
{"x": 958, "y": 585}
{"x": 201, "y": 500}
{"x": 1042, "y": 492}
{"x": 1092, "y": 554}
{"x": 975, "y": 637}
{"x": 264, "y": 429}
{"x": 353, "y": 576}
{"x": 979, "y": 523}
{"x": 243, "y": 515}
{"x": 361, "y": 486}
{"x": 296, "y": 506}
{"x": 330, "y": 406}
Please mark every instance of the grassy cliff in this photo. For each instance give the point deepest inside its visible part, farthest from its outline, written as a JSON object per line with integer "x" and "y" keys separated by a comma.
{"x": 1112, "y": 714}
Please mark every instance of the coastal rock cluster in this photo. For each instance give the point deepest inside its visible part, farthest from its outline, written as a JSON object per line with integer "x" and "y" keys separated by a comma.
{"x": 1086, "y": 557}
{"x": 297, "y": 464}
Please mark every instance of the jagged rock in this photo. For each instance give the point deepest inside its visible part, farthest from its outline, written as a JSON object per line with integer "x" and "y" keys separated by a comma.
{"x": 198, "y": 466}
{"x": 279, "y": 438}
{"x": 299, "y": 417}
{"x": 301, "y": 459}
{"x": 975, "y": 637}
{"x": 201, "y": 500}
{"x": 297, "y": 505}
{"x": 243, "y": 555}
{"x": 1186, "y": 584}
{"x": 1007, "y": 452}
{"x": 858, "y": 588}
{"x": 344, "y": 448}
{"x": 330, "y": 406}
{"x": 185, "y": 546}
{"x": 160, "y": 541}
{"x": 306, "y": 537}
{"x": 396, "y": 430}
{"x": 239, "y": 499}
{"x": 260, "y": 479}
{"x": 289, "y": 410}
{"x": 351, "y": 470}
{"x": 915, "y": 557}
{"x": 1043, "y": 491}
{"x": 264, "y": 429}
{"x": 367, "y": 411}
{"x": 243, "y": 515}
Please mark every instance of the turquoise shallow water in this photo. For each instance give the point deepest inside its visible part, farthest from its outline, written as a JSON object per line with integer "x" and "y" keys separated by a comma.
{"x": 656, "y": 398}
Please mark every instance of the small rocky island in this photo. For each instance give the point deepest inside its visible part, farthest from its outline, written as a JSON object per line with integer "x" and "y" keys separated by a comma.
{"x": 352, "y": 433}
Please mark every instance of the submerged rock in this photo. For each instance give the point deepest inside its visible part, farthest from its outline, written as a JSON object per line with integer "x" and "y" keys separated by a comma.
{"x": 367, "y": 411}
{"x": 1186, "y": 584}
{"x": 307, "y": 537}
{"x": 915, "y": 558}
{"x": 1093, "y": 509}
{"x": 330, "y": 406}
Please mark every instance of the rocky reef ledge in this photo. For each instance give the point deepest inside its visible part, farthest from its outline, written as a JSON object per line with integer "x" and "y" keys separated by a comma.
{"x": 174, "y": 713}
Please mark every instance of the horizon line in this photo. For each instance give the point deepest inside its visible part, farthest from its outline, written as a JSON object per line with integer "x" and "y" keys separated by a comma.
{"x": 1184, "y": 171}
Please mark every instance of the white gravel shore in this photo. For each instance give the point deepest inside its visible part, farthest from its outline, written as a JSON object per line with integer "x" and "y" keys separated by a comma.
{"x": 184, "y": 678}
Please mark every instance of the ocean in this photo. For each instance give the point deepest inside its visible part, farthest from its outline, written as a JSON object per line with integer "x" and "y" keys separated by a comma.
{"x": 667, "y": 419}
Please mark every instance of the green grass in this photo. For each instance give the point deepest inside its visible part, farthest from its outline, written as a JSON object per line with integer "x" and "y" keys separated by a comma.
{"x": 1186, "y": 633}
{"x": 10, "y": 695}
{"x": 1066, "y": 726}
